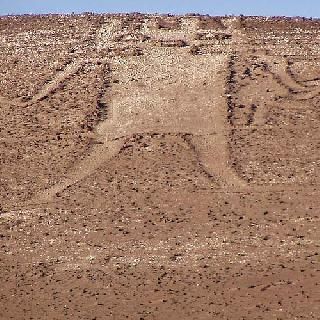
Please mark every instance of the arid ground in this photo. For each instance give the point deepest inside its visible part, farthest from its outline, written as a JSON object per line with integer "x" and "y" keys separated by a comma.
{"x": 159, "y": 167}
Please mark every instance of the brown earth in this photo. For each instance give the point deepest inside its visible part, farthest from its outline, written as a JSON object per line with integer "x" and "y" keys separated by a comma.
{"x": 159, "y": 167}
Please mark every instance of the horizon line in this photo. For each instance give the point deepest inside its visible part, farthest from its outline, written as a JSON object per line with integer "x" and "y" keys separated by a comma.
{"x": 188, "y": 14}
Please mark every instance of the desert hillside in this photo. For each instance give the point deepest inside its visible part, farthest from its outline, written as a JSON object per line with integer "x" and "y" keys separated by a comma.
{"x": 159, "y": 167}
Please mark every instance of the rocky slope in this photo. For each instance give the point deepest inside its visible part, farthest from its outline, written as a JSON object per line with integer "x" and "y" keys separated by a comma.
{"x": 159, "y": 167}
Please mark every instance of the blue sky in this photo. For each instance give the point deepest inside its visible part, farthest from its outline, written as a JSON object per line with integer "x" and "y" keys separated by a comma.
{"x": 307, "y": 8}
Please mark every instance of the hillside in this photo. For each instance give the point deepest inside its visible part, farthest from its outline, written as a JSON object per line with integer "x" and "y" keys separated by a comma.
{"x": 159, "y": 167}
